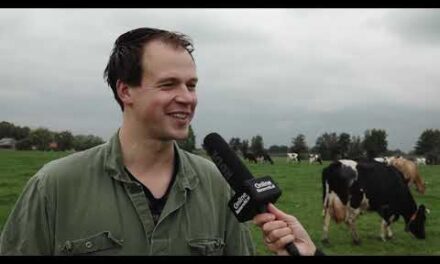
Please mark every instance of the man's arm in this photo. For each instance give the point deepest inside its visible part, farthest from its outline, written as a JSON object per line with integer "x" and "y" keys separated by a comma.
{"x": 238, "y": 239}
{"x": 27, "y": 230}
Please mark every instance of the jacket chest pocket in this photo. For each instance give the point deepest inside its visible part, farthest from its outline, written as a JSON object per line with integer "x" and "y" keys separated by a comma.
{"x": 100, "y": 243}
{"x": 206, "y": 247}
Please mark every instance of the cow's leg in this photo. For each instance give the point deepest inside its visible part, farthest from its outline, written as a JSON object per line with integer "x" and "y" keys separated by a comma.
{"x": 383, "y": 228}
{"x": 386, "y": 232}
{"x": 327, "y": 218}
{"x": 389, "y": 232}
{"x": 352, "y": 214}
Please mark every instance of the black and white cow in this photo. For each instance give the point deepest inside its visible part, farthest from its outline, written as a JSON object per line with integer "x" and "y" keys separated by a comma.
{"x": 351, "y": 187}
{"x": 264, "y": 157}
{"x": 315, "y": 158}
{"x": 421, "y": 161}
{"x": 293, "y": 157}
{"x": 250, "y": 157}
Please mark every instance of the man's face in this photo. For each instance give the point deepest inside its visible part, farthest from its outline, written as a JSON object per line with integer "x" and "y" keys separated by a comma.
{"x": 165, "y": 102}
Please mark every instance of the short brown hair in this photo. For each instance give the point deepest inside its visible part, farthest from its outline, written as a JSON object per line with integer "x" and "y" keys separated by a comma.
{"x": 125, "y": 62}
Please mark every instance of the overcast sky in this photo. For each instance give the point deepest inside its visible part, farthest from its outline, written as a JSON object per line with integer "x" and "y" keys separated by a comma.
{"x": 272, "y": 72}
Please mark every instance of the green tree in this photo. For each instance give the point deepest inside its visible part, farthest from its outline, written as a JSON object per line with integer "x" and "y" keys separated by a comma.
{"x": 64, "y": 140}
{"x": 235, "y": 143}
{"x": 428, "y": 141}
{"x": 11, "y": 131}
{"x": 299, "y": 144}
{"x": 83, "y": 142}
{"x": 244, "y": 147}
{"x": 257, "y": 145}
{"x": 428, "y": 145}
{"x": 278, "y": 149}
{"x": 375, "y": 143}
{"x": 355, "y": 149}
{"x": 327, "y": 146}
{"x": 41, "y": 137}
{"x": 22, "y": 133}
{"x": 344, "y": 142}
{"x": 6, "y": 129}
{"x": 24, "y": 144}
{"x": 188, "y": 144}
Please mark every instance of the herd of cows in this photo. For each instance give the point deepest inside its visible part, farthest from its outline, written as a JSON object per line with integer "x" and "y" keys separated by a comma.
{"x": 291, "y": 157}
{"x": 382, "y": 185}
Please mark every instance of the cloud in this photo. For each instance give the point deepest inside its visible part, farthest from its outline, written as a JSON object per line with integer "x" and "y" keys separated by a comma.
{"x": 419, "y": 26}
{"x": 276, "y": 72}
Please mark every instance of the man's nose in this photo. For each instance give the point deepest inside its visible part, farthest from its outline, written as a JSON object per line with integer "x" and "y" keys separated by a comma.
{"x": 186, "y": 95}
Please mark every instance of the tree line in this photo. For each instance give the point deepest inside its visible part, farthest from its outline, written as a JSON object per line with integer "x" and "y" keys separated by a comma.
{"x": 332, "y": 146}
{"x": 329, "y": 146}
{"x": 44, "y": 139}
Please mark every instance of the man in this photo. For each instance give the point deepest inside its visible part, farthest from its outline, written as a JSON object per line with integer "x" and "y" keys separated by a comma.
{"x": 138, "y": 194}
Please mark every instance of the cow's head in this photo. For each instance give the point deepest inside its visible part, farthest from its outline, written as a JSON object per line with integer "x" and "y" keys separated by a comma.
{"x": 416, "y": 225}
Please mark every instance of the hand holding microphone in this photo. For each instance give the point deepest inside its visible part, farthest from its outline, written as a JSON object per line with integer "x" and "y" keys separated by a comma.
{"x": 280, "y": 229}
{"x": 251, "y": 195}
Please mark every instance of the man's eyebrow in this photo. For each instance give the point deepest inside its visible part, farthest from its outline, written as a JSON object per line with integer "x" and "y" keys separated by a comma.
{"x": 167, "y": 79}
{"x": 194, "y": 79}
{"x": 174, "y": 79}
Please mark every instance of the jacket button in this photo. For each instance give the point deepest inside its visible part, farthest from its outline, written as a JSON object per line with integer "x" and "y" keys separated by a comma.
{"x": 68, "y": 245}
{"x": 89, "y": 244}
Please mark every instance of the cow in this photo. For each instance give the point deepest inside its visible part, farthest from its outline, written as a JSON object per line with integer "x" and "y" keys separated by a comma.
{"x": 250, "y": 157}
{"x": 383, "y": 159}
{"x": 350, "y": 188}
{"x": 292, "y": 156}
{"x": 421, "y": 161}
{"x": 315, "y": 158}
{"x": 265, "y": 158}
{"x": 380, "y": 159}
{"x": 409, "y": 171}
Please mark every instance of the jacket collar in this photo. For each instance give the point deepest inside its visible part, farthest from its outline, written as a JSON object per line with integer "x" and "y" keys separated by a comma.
{"x": 186, "y": 177}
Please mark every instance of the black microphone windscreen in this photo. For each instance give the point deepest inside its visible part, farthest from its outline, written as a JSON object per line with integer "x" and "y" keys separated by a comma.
{"x": 227, "y": 161}
{"x": 262, "y": 190}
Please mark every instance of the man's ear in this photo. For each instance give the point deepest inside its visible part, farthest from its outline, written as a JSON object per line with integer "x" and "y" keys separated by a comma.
{"x": 124, "y": 92}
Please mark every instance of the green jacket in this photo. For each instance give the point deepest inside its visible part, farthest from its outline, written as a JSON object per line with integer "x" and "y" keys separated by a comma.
{"x": 85, "y": 203}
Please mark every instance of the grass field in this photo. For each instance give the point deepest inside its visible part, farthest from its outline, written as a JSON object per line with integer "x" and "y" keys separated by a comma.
{"x": 302, "y": 197}
{"x": 301, "y": 186}
{"x": 16, "y": 167}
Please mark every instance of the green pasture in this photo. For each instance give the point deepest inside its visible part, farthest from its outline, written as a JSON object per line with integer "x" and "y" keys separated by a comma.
{"x": 16, "y": 167}
{"x": 302, "y": 197}
{"x": 301, "y": 187}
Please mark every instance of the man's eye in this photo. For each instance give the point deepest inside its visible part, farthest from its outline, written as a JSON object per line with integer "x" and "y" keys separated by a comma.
{"x": 166, "y": 85}
{"x": 191, "y": 87}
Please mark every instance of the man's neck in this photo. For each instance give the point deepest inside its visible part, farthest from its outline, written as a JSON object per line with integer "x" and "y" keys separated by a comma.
{"x": 142, "y": 154}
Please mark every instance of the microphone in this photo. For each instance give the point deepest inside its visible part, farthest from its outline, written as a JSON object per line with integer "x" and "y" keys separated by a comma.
{"x": 251, "y": 194}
